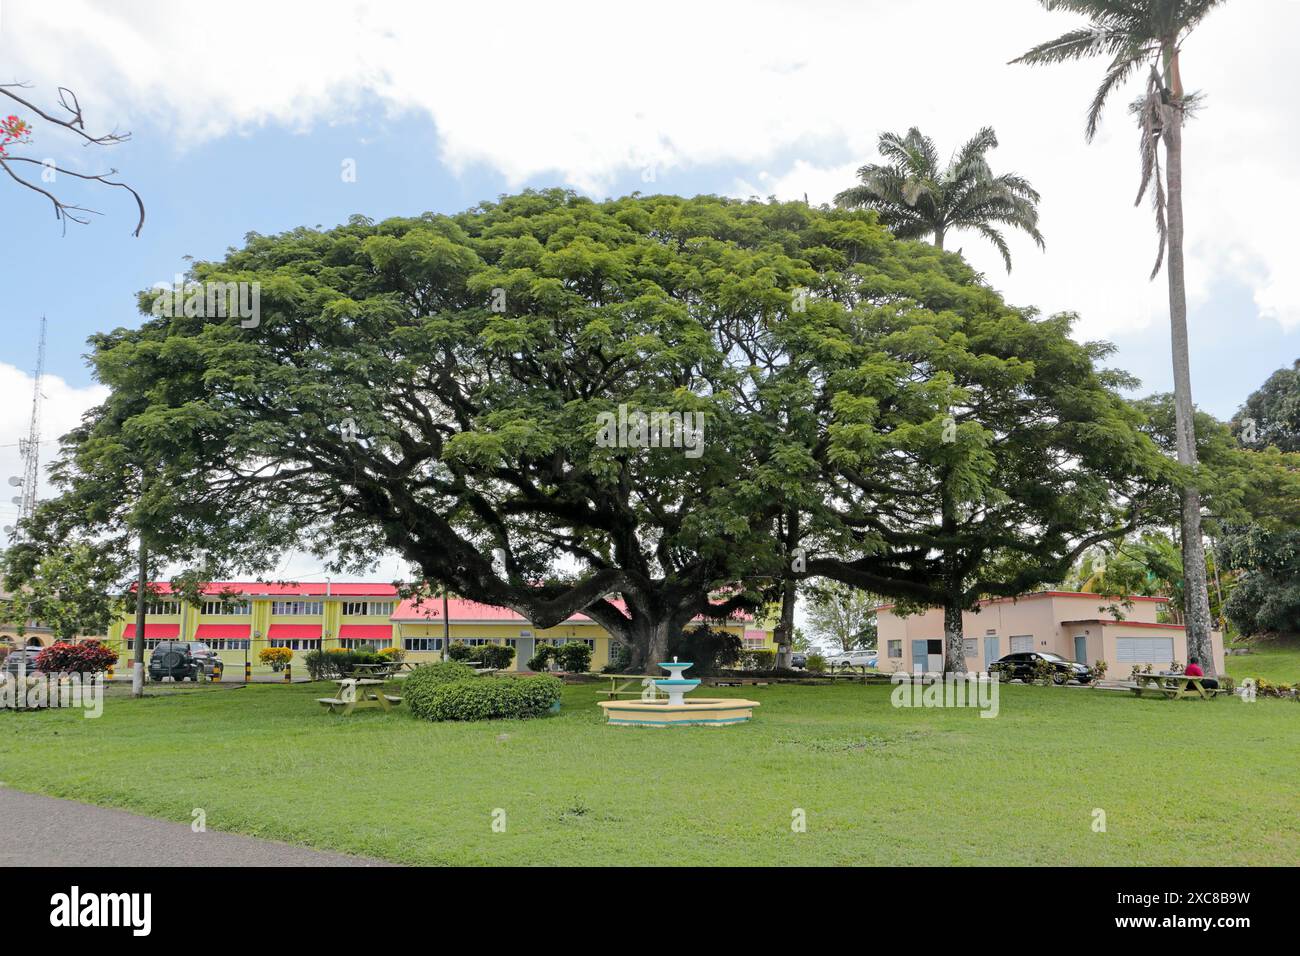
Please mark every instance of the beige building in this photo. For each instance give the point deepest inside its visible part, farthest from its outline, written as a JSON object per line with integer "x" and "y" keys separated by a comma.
{"x": 1078, "y": 627}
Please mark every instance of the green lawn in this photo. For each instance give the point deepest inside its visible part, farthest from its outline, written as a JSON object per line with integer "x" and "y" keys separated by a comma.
{"x": 1273, "y": 661}
{"x": 1181, "y": 782}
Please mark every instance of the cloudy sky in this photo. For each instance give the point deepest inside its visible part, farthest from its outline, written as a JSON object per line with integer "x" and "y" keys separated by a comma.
{"x": 244, "y": 116}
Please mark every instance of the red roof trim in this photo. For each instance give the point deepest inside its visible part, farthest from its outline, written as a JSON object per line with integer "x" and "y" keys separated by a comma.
{"x": 1060, "y": 594}
{"x": 1104, "y": 623}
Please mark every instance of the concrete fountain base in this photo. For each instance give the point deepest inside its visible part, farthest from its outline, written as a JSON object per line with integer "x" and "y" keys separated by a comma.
{"x": 700, "y": 711}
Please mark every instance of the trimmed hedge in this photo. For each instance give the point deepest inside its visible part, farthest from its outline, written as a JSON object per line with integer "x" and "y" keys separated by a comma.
{"x": 480, "y": 698}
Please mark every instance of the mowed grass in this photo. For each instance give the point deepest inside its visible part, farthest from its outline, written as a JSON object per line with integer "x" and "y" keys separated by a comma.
{"x": 1275, "y": 661}
{"x": 1180, "y": 782}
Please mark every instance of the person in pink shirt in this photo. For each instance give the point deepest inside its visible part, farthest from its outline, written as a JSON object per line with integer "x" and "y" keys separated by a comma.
{"x": 1193, "y": 669}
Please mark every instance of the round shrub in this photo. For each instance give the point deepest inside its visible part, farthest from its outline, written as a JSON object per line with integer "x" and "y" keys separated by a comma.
{"x": 460, "y": 651}
{"x": 484, "y": 698}
{"x": 575, "y": 656}
{"x": 542, "y": 657}
{"x": 86, "y": 657}
{"x": 496, "y": 656}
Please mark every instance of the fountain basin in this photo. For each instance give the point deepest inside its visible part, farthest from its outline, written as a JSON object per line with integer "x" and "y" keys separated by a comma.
{"x": 700, "y": 711}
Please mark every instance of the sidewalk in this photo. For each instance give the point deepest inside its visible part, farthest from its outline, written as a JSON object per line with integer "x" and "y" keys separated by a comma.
{"x": 46, "y": 831}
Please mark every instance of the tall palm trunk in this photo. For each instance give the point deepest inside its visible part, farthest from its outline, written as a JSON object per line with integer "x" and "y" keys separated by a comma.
{"x": 1196, "y": 594}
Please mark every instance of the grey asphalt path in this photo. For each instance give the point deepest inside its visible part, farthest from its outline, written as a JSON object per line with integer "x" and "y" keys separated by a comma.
{"x": 47, "y": 831}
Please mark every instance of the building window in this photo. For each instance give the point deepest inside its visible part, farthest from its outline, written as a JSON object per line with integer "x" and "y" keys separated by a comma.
{"x": 364, "y": 643}
{"x": 755, "y": 643}
{"x": 223, "y": 607}
{"x": 422, "y": 643}
{"x": 297, "y": 608}
{"x": 368, "y": 608}
{"x": 894, "y": 648}
{"x": 970, "y": 647}
{"x": 1022, "y": 643}
{"x": 228, "y": 644}
{"x": 297, "y": 643}
{"x": 163, "y": 607}
{"x": 1144, "y": 650}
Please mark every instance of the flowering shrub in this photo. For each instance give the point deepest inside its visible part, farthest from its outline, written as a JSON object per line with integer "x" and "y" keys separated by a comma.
{"x": 13, "y": 130}
{"x": 277, "y": 657}
{"x": 393, "y": 653}
{"x": 86, "y": 657}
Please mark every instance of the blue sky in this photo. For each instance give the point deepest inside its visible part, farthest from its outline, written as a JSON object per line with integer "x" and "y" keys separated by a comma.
{"x": 443, "y": 107}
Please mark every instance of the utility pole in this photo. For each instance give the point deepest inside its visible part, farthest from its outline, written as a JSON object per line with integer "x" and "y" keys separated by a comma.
{"x": 29, "y": 449}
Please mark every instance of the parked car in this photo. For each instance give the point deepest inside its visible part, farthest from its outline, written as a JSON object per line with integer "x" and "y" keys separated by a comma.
{"x": 13, "y": 663}
{"x": 184, "y": 660}
{"x": 798, "y": 660}
{"x": 1023, "y": 666}
{"x": 858, "y": 657}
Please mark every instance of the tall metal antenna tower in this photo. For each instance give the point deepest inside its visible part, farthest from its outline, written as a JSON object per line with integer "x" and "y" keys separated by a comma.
{"x": 29, "y": 449}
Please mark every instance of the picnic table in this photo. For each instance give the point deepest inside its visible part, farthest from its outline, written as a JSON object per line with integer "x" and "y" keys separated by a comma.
{"x": 351, "y": 698}
{"x": 1172, "y": 686}
{"x": 620, "y": 685}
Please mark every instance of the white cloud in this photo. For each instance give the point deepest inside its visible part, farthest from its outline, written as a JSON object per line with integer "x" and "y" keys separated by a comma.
{"x": 795, "y": 92}
{"x": 62, "y": 406}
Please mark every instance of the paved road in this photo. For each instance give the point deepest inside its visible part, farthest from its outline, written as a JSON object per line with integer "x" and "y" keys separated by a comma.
{"x": 46, "y": 831}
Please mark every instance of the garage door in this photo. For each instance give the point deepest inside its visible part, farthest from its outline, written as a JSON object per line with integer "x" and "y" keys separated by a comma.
{"x": 1143, "y": 650}
{"x": 1022, "y": 644}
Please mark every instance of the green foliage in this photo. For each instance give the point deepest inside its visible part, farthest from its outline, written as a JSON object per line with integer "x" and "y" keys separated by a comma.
{"x": 842, "y": 616}
{"x": 1271, "y": 414}
{"x": 337, "y": 662}
{"x": 419, "y": 685}
{"x": 484, "y": 698}
{"x": 542, "y": 658}
{"x": 1266, "y": 600}
{"x": 916, "y": 197}
{"x": 709, "y": 649}
{"x": 574, "y": 656}
{"x": 620, "y": 658}
{"x": 816, "y": 664}
{"x": 459, "y": 651}
{"x": 495, "y": 656}
{"x": 759, "y": 660}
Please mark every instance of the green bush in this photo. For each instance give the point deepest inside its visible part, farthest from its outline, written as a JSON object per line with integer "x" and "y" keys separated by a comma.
{"x": 483, "y": 698}
{"x": 542, "y": 657}
{"x": 620, "y": 658}
{"x": 575, "y": 656}
{"x": 339, "y": 662}
{"x": 815, "y": 664}
{"x": 707, "y": 649}
{"x": 758, "y": 660}
{"x": 458, "y": 651}
{"x": 421, "y": 682}
{"x": 497, "y": 656}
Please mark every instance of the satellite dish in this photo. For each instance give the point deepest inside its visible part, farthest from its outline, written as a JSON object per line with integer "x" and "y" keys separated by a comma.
{"x": 15, "y": 481}
{"x": 17, "y": 499}
{"x": 9, "y": 529}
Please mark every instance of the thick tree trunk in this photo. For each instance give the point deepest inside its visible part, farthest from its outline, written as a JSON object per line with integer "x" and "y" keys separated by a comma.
{"x": 137, "y": 661}
{"x": 1196, "y": 616}
{"x": 785, "y": 628}
{"x": 954, "y": 653}
{"x": 650, "y": 645}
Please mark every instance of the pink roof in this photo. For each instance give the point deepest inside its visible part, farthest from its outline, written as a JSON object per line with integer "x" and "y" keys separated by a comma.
{"x": 292, "y": 589}
{"x": 461, "y": 609}
{"x": 1110, "y": 623}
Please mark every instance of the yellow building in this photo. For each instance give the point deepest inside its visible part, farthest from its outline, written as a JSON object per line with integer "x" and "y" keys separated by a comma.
{"x": 307, "y": 617}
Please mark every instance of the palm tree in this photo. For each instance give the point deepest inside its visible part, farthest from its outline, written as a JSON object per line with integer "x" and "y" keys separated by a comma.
{"x": 1137, "y": 34}
{"x": 915, "y": 198}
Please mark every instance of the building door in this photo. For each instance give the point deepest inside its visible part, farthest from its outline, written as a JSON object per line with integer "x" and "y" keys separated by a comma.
{"x": 920, "y": 655}
{"x": 991, "y": 652}
{"x": 523, "y": 651}
{"x": 1081, "y": 648}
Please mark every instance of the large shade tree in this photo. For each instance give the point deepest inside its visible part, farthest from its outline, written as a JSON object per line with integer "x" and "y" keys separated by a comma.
{"x": 916, "y": 195}
{"x": 1137, "y": 36}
